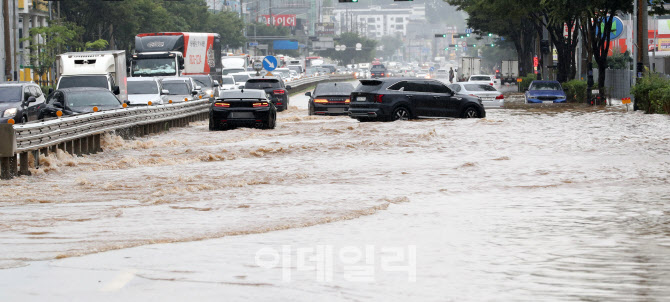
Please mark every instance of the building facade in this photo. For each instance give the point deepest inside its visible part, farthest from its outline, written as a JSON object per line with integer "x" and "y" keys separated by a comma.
{"x": 377, "y": 21}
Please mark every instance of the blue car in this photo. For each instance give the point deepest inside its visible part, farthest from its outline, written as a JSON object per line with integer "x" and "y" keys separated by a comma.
{"x": 545, "y": 92}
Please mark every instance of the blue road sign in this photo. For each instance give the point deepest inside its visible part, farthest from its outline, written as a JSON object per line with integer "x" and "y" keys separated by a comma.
{"x": 253, "y": 43}
{"x": 432, "y": 68}
{"x": 270, "y": 63}
{"x": 468, "y": 30}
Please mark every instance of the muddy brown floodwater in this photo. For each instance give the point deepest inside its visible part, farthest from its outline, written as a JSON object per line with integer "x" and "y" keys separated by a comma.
{"x": 540, "y": 203}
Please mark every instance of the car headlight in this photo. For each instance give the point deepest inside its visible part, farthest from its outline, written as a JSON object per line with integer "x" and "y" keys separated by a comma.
{"x": 11, "y": 112}
{"x": 208, "y": 92}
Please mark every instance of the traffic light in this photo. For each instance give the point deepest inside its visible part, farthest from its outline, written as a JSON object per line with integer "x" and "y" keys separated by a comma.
{"x": 490, "y": 35}
{"x": 461, "y": 35}
{"x": 440, "y": 35}
{"x": 493, "y": 45}
{"x": 467, "y": 35}
{"x": 473, "y": 45}
{"x": 348, "y": 0}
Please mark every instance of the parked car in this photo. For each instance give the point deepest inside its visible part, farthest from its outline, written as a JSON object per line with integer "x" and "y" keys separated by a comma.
{"x": 378, "y": 71}
{"x": 143, "y": 90}
{"x": 545, "y": 92}
{"x": 178, "y": 91}
{"x": 329, "y": 98}
{"x": 20, "y": 101}
{"x": 401, "y": 99}
{"x": 238, "y": 108}
{"x": 210, "y": 87}
{"x": 491, "y": 98}
{"x": 240, "y": 78}
{"x": 228, "y": 83}
{"x": 274, "y": 87}
{"x": 71, "y": 101}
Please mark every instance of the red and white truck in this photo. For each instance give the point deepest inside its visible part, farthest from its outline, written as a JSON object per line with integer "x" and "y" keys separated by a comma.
{"x": 176, "y": 54}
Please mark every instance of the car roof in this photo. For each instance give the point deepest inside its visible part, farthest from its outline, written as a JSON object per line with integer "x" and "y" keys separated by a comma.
{"x": 545, "y": 82}
{"x": 265, "y": 77}
{"x": 142, "y": 79}
{"x": 84, "y": 89}
{"x": 21, "y": 83}
{"x": 176, "y": 79}
{"x": 243, "y": 93}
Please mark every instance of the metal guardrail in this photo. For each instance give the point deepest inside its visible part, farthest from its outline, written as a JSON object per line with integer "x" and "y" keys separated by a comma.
{"x": 81, "y": 134}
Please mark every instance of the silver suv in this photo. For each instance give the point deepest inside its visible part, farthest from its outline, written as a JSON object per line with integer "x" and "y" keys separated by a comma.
{"x": 20, "y": 101}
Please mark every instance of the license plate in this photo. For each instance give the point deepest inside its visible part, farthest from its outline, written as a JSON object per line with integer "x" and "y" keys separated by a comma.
{"x": 241, "y": 115}
{"x": 487, "y": 99}
{"x": 335, "y": 110}
{"x": 547, "y": 102}
{"x": 361, "y": 99}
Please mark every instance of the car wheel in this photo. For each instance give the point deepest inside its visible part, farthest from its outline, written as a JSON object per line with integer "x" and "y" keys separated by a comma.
{"x": 470, "y": 112}
{"x": 401, "y": 113}
{"x": 212, "y": 125}
{"x": 310, "y": 110}
{"x": 24, "y": 119}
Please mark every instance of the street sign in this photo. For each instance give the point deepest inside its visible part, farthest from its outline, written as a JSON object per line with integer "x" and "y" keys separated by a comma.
{"x": 258, "y": 65}
{"x": 625, "y": 101}
{"x": 519, "y": 80}
{"x": 253, "y": 43}
{"x": 270, "y": 63}
{"x": 468, "y": 30}
{"x": 432, "y": 68}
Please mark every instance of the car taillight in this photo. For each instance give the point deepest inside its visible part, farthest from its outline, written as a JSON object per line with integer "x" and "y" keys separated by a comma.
{"x": 473, "y": 95}
{"x": 500, "y": 97}
{"x": 491, "y": 84}
{"x": 323, "y": 101}
{"x": 263, "y": 104}
{"x": 347, "y": 101}
{"x": 378, "y": 98}
{"x": 382, "y": 74}
{"x": 221, "y": 104}
{"x": 279, "y": 91}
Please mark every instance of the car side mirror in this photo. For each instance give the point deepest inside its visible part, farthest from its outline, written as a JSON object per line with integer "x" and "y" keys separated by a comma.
{"x": 116, "y": 90}
{"x": 58, "y": 105}
{"x": 165, "y": 92}
{"x": 127, "y": 102}
{"x": 216, "y": 83}
{"x": 308, "y": 93}
{"x": 31, "y": 99}
{"x": 288, "y": 87}
{"x": 198, "y": 88}
{"x": 51, "y": 90}
{"x": 194, "y": 92}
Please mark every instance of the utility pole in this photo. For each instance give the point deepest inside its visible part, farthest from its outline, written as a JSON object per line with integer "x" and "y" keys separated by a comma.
{"x": 642, "y": 35}
{"x": 7, "y": 45}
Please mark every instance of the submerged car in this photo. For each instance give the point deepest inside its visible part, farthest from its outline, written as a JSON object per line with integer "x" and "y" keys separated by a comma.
{"x": 71, "y": 101}
{"x": 330, "y": 98}
{"x": 394, "y": 99}
{"x": 274, "y": 87}
{"x": 20, "y": 101}
{"x": 547, "y": 92}
{"x": 490, "y": 96}
{"x": 242, "y": 108}
{"x": 143, "y": 90}
{"x": 178, "y": 91}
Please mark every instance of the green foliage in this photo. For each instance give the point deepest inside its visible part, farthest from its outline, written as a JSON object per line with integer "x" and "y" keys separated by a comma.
{"x": 55, "y": 38}
{"x": 527, "y": 80}
{"x": 390, "y": 46}
{"x": 575, "y": 90}
{"x": 100, "y": 44}
{"x": 619, "y": 60}
{"x": 651, "y": 87}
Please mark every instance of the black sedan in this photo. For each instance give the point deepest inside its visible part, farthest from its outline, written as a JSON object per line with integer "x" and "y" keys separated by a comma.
{"x": 330, "y": 98}
{"x": 72, "y": 101}
{"x": 401, "y": 99}
{"x": 246, "y": 107}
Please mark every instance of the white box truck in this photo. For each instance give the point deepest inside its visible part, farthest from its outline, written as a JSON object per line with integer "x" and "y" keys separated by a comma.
{"x": 469, "y": 66}
{"x": 105, "y": 69}
{"x": 509, "y": 71}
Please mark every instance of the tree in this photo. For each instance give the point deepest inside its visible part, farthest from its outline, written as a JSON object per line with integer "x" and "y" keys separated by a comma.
{"x": 390, "y": 45}
{"x": 47, "y": 42}
{"x": 351, "y": 55}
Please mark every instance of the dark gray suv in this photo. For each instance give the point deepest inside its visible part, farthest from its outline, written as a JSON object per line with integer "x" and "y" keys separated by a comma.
{"x": 20, "y": 101}
{"x": 393, "y": 99}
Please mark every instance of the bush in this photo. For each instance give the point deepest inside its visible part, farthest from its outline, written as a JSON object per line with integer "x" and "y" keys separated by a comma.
{"x": 527, "y": 80}
{"x": 648, "y": 88}
{"x": 575, "y": 90}
{"x": 660, "y": 100}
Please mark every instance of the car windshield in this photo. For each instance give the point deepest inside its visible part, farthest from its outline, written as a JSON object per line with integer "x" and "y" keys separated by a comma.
{"x": 262, "y": 84}
{"x": 154, "y": 66}
{"x": 91, "y": 98}
{"x": 369, "y": 86}
{"x": 10, "y": 94}
{"x": 83, "y": 81}
{"x": 334, "y": 88}
{"x": 380, "y": 66}
{"x": 480, "y": 78}
{"x": 176, "y": 88}
{"x": 545, "y": 86}
{"x": 227, "y": 80}
{"x": 203, "y": 81}
{"x": 226, "y": 71}
{"x": 142, "y": 87}
{"x": 479, "y": 87}
{"x": 241, "y": 77}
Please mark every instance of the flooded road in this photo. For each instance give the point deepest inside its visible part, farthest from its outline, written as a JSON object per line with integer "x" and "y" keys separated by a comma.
{"x": 542, "y": 203}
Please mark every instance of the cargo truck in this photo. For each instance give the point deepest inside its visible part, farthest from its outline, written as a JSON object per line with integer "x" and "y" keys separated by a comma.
{"x": 176, "y": 54}
{"x": 105, "y": 69}
{"x": 509, "y": 71}
{"x": 469, "y": 66}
